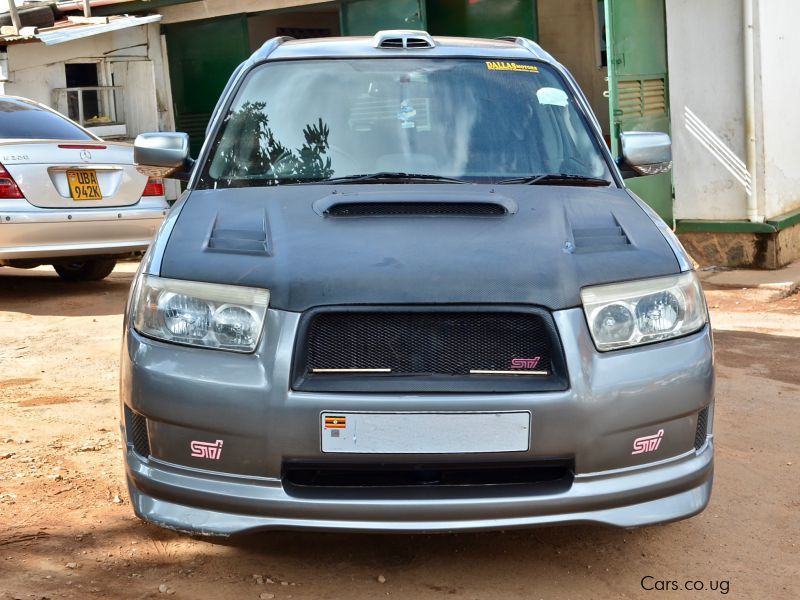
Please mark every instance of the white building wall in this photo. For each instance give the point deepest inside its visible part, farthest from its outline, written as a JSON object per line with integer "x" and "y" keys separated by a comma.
{"x": 35, "y": 70}
{"x": 705, "y": 50}
{"x": 779, "y": 34}
{"x": 706, "y": 86}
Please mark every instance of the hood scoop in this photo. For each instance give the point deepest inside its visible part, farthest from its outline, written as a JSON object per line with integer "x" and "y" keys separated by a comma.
{"x": 604, "y": 238}
{"x": 415, "y": 205}
{"x": 239, "y": 238}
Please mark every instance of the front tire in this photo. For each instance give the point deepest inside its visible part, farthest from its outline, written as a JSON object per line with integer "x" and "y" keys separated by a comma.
{"x": 86, "y": 270}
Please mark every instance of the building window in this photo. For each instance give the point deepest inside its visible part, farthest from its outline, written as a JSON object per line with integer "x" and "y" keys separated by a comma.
{"x": 83, "y": 75}
{"x": 88, "y": 101}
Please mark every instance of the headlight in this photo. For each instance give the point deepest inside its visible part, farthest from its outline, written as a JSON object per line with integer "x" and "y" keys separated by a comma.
{"x": 639, "y": 312}
{"x": 228, "y": 317}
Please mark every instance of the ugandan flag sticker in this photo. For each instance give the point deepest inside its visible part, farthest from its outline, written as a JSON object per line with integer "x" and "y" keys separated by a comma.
{"x": 335, "y": 422}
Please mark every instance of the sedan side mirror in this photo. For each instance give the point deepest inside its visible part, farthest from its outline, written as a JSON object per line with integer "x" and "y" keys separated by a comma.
{"x": 163, "y": 154}
{"x": 645, "y": 153}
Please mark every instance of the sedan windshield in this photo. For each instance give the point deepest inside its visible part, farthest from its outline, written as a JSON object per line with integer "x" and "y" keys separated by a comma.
{"x": 402, "y": 121}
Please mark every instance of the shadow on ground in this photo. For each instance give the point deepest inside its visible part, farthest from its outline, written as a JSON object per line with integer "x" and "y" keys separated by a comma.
{"x": 315, "y": 565}
{"x": 761, "y": 354}
{"x": 40, "y": 292}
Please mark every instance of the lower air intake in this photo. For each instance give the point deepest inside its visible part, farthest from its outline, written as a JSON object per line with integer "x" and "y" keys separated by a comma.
{"x": 430, "y": 480}
{"x": 702, "y": 429}
{"x": 137, "y": 432}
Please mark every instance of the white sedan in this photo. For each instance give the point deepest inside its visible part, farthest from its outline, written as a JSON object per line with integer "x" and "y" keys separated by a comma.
{"x": 68, "y": 198}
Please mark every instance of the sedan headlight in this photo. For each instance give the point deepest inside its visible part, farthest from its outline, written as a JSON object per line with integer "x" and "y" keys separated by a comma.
{"x": 227, "y": 317}
{"x": 639, "y": 312}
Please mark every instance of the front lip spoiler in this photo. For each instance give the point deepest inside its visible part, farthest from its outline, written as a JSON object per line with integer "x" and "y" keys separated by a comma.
{"x": 619, "y": 500}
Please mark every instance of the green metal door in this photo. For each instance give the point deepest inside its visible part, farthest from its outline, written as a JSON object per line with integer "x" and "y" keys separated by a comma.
{"x": 366, "y": 17}
{"x": 487, "y": 19}
{"x": 636, "y": 42}
{"x": 202, "y": 56}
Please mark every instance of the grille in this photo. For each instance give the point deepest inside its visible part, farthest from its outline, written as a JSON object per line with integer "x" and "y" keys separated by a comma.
{"x": 137, "y": 432}
{"x": 387, "y": 209}
{"x": 430, "y": 351}
{"x": 702, "y": 429}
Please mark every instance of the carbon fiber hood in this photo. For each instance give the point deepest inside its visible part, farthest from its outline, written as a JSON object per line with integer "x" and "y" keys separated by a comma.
{"x": 551, "y": 242}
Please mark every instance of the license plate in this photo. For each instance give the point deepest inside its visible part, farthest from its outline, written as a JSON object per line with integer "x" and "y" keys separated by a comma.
{"x": 425, "y": 432}
{"x": 83, "y": 185}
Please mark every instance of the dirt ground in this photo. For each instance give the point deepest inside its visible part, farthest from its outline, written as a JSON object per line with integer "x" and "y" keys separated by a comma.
{"x": 67, "y": 529}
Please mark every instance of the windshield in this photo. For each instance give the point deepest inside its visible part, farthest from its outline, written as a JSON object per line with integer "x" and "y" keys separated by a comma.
{"x": 475, "y": 120}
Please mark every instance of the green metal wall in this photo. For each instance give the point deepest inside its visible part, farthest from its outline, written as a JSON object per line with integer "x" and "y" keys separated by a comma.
{"x": 202, "y": 55}
{"x": 638, "y": 85}
{"x": 484, "y": 18}
{"x": 365, "y": 17}
{"x": 469, "y": 18}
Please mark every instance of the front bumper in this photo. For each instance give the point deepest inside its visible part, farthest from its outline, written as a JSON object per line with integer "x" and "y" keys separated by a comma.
{"x": 195, "y": 394}
{"x": 29, "y": 233}
{"x": 660, "y": 493}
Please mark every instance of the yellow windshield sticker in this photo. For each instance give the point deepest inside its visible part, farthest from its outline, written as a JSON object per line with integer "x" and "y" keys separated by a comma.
{"x": 494, "y": 65}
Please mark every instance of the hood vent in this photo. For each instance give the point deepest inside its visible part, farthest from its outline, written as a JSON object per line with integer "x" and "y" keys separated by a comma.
{"x": 410, "y": 39}
{"x": 599, "y": 239}
{"x": 416, "y": 209}
{"x": 240, "y": 240}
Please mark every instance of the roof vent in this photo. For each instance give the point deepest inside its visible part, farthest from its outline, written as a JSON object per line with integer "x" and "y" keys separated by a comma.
{"x": 403, "y": 39}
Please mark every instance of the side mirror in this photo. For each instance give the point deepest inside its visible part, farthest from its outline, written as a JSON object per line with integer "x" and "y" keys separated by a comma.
{"x": 645, "y": 152}
{"x": 163, "y": 154}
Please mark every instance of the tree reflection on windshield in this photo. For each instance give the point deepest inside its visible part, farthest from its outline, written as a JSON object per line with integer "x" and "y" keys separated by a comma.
{"x": 251, "y": 151}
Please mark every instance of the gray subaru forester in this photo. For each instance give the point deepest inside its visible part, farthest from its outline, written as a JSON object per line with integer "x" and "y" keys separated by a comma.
{"x": 406, "y": 289}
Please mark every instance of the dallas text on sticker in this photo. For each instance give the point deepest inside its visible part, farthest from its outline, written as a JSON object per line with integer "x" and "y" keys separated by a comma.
{"x": 494, "y": 65}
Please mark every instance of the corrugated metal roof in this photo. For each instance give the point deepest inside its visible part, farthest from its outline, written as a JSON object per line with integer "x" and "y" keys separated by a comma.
{"x": 67, "y": 32}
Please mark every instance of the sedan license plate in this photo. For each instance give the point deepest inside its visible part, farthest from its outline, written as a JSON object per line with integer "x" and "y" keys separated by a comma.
{"x": 83, "y": 185}
{"x": 425, "y": 432}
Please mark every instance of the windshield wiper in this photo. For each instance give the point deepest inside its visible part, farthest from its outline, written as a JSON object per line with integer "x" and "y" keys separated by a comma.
{"x": 389, "y": 176}
{"x": 558, "y": 179}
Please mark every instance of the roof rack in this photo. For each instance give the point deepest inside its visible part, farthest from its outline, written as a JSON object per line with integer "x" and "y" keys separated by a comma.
{"x": 268, "y": 47}
{"x": 529, "y": 45}
{"x": 406, "y": 39}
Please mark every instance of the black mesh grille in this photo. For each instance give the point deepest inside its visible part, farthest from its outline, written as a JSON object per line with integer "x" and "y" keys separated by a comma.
{"x": 448, "y": 350}
{"x": 702, "y": 429}
{"x": 388, "y": 209}
{"x": 137, "y": 432}
{"x": 428, "y": 343}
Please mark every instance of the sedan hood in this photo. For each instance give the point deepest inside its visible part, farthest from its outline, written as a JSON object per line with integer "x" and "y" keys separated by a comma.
{"x": 314, "y": 245}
